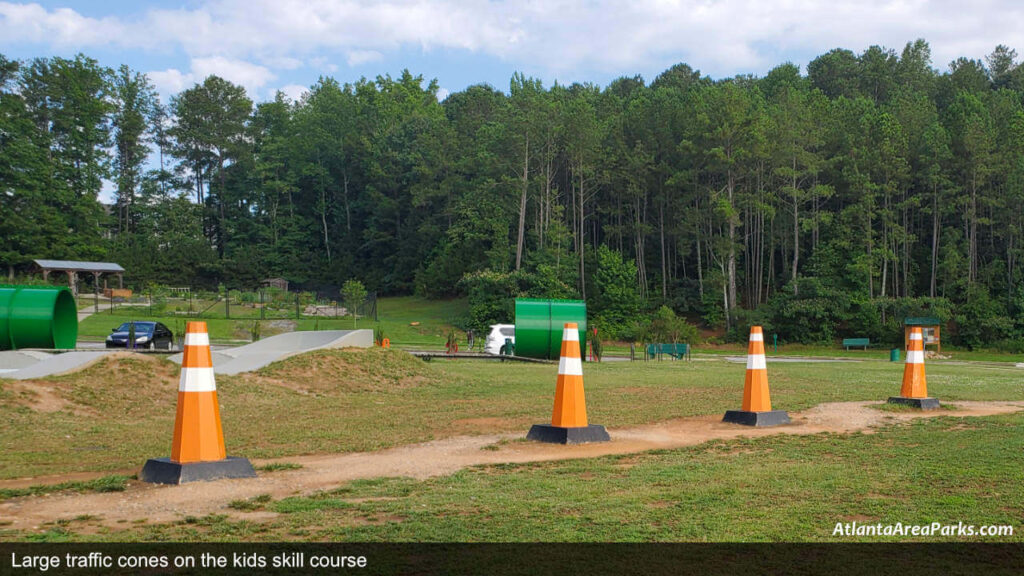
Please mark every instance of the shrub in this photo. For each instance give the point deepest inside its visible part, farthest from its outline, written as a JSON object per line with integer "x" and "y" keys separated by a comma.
{"x": 491, "y": 298}
{"x": 616, "y": 298}
{"x": 812, "y": 315}
{"x": 982, "y": 319}
{"x": 744, "y": 319}
{"x": 665, "y": 326}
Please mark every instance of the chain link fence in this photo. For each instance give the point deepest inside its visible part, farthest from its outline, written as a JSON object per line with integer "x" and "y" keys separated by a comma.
{"x": 259, "y": 304}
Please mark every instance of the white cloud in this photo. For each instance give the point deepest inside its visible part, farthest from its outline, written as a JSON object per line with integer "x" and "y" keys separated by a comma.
{"x": 250, "y": 76}
{"x": 358, "y": 57}
{"x": 31, "y": 23}
{"x": 323, "y": 64}
{"x": 283, "y": 62}
{"x": 294, "y": 92}
{"x": 442, "y": 93}
{"x": 563, "y": 37}
{"x": 170, "y": 81}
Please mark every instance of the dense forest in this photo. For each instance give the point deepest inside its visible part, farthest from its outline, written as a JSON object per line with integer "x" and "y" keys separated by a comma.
{"x": 821, "y": 205}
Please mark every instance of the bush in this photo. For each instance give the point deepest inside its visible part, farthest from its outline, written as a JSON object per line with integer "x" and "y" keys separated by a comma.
{"x": 158, "y": 305}
{"x": 713, "y": 306}
{"x": 982, "y": 320}
{"x": 1015, "y": 346}
{"x": 596, "y": 346}
{"x": 744, "y": 319}
{"x": 665, "y": 327}
{"x": 491, "y": 298}
{"x": 812, "y": 316}
{"x": 616, "y": 298}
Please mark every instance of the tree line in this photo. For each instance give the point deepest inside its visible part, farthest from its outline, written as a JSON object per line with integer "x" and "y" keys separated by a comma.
{"x": 823, "y": 204}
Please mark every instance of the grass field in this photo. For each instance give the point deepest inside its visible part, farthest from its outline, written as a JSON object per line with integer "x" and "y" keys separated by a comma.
{"x": 822, "y": 351}
{"x": 112, "y": 416}
{"x": 345, "y": 401}
{"x": 780, "y": 488}
{"x": 434, "y": 319}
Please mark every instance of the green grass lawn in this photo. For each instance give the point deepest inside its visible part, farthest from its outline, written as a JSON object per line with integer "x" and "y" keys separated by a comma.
{"x": 776, "y": 488}
{"x": 120, "y": 412}
{"x": 818, "y": 351}
{"x": 434, "y": 319}
{"x": 396, "y": 316}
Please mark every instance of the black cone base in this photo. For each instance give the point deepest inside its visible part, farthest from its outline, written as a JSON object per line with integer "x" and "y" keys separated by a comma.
{"x": 164, "y": 471}
{"x": 769, "y": 418}
{"x": 920, "y": 403}
{"x": 560, "y": 435}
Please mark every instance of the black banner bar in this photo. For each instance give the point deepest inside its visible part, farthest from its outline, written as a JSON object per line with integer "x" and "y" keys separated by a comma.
{"x": 509, "y": 559}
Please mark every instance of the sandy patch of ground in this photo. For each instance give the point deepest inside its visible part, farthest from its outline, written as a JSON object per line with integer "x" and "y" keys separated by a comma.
{"x": 39, "y": 396}
{"x": 322, "y": 472}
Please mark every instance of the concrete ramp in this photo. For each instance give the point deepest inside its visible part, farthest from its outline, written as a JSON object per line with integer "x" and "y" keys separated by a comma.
{"x": 29, "y": 364}
{"x": 26, "y": 365}
{"x": 14, "y": 360}
{"x": 259, "y": 354}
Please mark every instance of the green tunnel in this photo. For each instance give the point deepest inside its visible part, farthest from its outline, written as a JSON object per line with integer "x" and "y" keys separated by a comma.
{"x": 37, "y": 317}
{"x": 539, "y": 324}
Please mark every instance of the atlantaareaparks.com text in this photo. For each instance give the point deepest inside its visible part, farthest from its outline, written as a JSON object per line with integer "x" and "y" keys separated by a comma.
{"x": 933, "y": 529}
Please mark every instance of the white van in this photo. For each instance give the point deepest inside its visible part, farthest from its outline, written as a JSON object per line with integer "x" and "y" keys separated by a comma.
{"x": 496, "y": 337}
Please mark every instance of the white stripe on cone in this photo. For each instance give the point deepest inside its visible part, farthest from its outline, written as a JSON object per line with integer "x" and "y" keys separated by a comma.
{"x": 755, "y": 362}
{"x": 570, "y": 366}
{"x": 570, "y": 335}
{"x": 915, "y": 357}
{"x": 197, "y": 339}
{"x": 197, "y": 380}
{"x": 757, "y": 337}
{"x": 916, "y": 336}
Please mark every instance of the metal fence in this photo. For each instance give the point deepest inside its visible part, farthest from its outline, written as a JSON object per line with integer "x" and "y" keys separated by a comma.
{"x": 260, "y": 304}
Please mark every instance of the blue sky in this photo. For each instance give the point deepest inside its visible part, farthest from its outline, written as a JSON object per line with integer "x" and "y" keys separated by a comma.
{"x": 270, "y": 45}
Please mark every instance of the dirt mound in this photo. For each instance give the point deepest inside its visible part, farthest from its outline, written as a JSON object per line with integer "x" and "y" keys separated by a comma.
{"x": 346, "y": 370}
{"x": 133, "y": 384}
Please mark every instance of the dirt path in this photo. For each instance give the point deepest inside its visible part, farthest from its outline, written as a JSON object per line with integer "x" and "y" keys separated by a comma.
{"x": 170, "y": 503}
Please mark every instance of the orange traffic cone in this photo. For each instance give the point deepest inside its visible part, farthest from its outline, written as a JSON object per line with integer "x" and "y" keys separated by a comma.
{"x": 757, "y": 402}
{"x": 915, "y": 388}
{"x": 197, "y": 452}
{"x": 569, "y": 417}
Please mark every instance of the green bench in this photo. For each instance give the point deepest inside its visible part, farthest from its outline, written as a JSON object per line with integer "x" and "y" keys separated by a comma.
{"x": 865, "y": 342}
{"x": 678, "y": 351}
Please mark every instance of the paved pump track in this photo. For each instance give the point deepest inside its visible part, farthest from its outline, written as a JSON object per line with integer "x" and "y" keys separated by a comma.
{"x": 259, "y": 354}
{"x": 31, "y": 364}
{"x": 323, "y": 472}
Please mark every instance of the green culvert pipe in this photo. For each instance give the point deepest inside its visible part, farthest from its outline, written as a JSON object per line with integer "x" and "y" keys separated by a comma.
{"x": 539, "y": 324}
{"x": 37, "y": 317}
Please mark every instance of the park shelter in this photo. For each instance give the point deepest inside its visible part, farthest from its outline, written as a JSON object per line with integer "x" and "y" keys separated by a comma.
{"x": 73, "y": 268}
{"x": 279, "y": 283}
{"x": 930, "y": 328}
